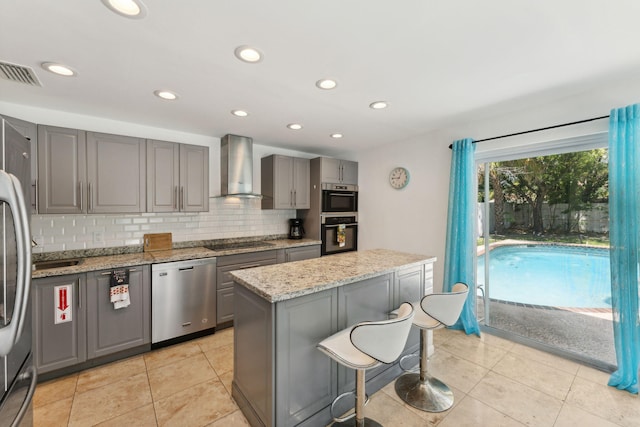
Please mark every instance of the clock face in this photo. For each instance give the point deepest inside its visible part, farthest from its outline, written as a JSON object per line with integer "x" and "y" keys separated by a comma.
{"x": 399, "y": 178}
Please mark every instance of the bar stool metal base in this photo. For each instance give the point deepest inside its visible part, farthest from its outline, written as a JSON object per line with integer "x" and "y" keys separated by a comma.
{"x": 430, "y": 395}
{"x": 367, "y": 422}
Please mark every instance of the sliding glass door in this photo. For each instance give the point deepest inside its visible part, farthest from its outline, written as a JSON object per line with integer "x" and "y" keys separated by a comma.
{"x": 542, "y": 254}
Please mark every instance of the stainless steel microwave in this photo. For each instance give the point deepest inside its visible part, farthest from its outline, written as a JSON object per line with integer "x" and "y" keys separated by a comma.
{"x": 339, "y": 198}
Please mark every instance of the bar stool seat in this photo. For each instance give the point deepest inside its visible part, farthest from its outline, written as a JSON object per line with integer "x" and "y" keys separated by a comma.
{"x": 421, "y": 390}
{"x": 365, "y": 346}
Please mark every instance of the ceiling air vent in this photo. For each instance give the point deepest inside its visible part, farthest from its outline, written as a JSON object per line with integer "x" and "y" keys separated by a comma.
{"x": 19, "y": 73}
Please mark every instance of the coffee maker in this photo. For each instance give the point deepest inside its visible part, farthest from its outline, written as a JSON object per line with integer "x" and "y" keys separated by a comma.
{"x": 296, "y": 230}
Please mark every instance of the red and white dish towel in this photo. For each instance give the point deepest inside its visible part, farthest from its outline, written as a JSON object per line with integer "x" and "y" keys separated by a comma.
{"x": 119, "y": 289}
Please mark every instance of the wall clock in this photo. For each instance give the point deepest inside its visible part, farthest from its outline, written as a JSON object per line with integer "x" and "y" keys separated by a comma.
{"x": 399, "y": 178}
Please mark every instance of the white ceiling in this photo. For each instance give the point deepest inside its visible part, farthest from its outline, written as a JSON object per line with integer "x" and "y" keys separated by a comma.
{"x": 433, "y": 61}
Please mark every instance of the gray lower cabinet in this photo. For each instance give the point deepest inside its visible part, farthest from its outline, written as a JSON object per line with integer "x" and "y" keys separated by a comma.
{"x": 298, "y": 253}
{"x": 280, "y": 377}
{"x": 224, "y": 282}
{"x": 92, "y": 327}
{"x": 57, "y": 342}
{"x": 110, "y": 330}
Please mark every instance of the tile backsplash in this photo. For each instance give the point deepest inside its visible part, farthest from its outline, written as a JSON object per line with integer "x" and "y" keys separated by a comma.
{"x": 227, "y": 218}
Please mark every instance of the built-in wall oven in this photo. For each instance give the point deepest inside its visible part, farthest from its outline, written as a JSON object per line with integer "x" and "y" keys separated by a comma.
{"x": 339, "y": 233}
{"x": 337, "y": 198}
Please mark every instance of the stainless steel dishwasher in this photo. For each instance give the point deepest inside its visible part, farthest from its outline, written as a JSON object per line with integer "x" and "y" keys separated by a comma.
{"x": 183, "y": 298}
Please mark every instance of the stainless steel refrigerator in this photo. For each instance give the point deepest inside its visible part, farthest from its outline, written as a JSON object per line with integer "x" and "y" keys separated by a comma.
{"x": 17, "y": 373}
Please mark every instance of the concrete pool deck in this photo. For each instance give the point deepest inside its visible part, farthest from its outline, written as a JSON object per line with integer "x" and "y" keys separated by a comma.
{"x": 588, "y": 334}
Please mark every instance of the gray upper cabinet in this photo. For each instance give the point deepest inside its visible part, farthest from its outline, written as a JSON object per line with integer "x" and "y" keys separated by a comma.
{"x": 194, "y": 178}
{"x": 285, "y": 182}
{"x": 62, "y": 173}
{"x": 116, "y": 173}
{"x": 30, "y": 131}
{"x": 177, "y": 177}
{"x": 338, "y": 171}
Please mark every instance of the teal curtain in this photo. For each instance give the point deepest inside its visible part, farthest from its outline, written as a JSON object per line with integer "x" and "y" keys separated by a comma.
{"x": 461, "y": 239}
{"x": 624, "y": 223}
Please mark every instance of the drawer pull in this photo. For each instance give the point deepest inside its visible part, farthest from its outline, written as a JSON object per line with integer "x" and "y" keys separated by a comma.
{"x": 185, "y": 324}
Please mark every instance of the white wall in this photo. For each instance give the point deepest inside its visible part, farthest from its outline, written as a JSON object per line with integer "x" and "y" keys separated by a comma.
{"x": 414, "y": 219}
{"x": 227, "y": 217}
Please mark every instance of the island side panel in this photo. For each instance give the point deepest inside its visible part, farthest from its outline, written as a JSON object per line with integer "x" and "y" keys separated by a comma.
{"x": 370, "y": 299}
{"x": 253, "y": 373}
{"x": 410, "y": 287}
{"x": 305, "y": 377}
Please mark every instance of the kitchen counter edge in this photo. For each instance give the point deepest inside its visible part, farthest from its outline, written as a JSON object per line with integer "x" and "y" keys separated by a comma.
{"x": 296, "y": 279}
{"x": 96, "y": 263}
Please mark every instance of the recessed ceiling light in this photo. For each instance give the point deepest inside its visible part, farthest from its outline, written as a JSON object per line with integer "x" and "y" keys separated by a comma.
{"x": 239, "y": 113}
{"x": 248, "y": 54}
{"x": 336, "y": 135}
{"x": 128, "y": 8}
{"x": 166, "y": 94}
{"x": 294, "y": 126}
{"x": 326, "y": 84}
{"x": 378, "y": 105}
{"x": 59, "y": 69}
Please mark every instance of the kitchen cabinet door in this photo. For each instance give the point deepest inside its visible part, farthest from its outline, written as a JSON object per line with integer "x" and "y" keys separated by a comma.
{"x": 116, "y": 167}
{"x": 285, "y": 182}
{"x": 301, "y": 183}
{"x": 338, "y": 171}
{"x": 194, "y": 178}
{"x": 163, "y": 176}
{"x": 62, "y": 344}
{"x": 299, "y": 253}
{"x": 349, "y": 172}
{"x": 30, "y": 131}
{"x": 111, "y": 330}
{"x": 62, "y": 173}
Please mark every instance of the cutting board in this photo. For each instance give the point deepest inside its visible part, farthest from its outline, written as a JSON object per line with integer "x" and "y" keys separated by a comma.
{"x": 157, "y": 242}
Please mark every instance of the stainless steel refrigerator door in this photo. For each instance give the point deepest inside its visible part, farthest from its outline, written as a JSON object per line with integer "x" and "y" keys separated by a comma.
{"x": 15, "y": 266}
{"x": 17, "y": 408}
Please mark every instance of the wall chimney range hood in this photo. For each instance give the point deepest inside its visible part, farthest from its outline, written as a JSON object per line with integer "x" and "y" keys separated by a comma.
{"x": 236, "y": 167}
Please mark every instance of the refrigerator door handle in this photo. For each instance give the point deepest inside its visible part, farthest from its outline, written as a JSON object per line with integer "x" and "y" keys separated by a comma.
{"x": 30, "y": 372}
{"x": 11, "y": 193}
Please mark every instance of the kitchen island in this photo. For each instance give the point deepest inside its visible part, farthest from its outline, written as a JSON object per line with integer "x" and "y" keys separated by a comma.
{"x": 283, "y": 311}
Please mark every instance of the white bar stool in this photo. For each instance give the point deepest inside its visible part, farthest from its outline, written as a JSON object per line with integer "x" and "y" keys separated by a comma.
{"x": 365, "y": 346}
{"x": 422, "y": 391}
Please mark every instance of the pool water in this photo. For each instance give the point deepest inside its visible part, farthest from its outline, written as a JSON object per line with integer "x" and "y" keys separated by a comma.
{"x": 549, "y": 275}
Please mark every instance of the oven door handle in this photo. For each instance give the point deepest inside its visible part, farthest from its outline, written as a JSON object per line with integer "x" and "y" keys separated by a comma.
{"x": 343, "y": 194}
{"x": 353, "y": 224}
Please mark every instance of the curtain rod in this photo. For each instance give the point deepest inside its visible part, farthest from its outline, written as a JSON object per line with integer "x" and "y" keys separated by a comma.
{"x": 539, "y": 129}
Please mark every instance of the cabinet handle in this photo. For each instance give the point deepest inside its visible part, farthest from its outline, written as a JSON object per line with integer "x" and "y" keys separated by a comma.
{"x": 89, "y": 197}
{"x": 108, "y": 273}
{"x": 37, "y": 201}
{"x": 79, "y": 293}
{"x": 295, "y": 198}
{"x": 181, "y": 198}
{"x": 175, "y": 198}
{"x": 81, "y": 196}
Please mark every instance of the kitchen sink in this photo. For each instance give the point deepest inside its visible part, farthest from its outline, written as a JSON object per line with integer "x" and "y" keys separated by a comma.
{"x": 43, "y": 265}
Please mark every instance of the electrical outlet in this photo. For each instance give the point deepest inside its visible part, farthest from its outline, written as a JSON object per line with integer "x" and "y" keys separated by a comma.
{"x": 98, "y": 237}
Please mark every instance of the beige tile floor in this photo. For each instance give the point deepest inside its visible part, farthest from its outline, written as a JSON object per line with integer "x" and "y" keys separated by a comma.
{"x": 495, "y": 382}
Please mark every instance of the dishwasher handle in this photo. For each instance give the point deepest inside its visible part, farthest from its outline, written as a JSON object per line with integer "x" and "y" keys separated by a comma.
{"x": 185, "y": 268}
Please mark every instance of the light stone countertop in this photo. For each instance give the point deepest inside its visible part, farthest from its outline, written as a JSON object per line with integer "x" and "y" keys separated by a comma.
{"x": 96, "y": 263}
{"x": 282, "y": 282}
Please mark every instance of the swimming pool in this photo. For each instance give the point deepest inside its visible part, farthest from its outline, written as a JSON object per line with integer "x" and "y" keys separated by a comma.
{"x": 549, "y": 275}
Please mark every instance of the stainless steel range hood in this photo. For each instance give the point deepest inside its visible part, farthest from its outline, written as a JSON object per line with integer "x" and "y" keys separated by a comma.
{"x": 236, "y": 166}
